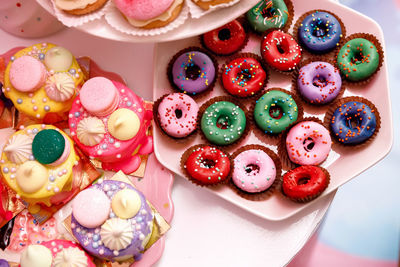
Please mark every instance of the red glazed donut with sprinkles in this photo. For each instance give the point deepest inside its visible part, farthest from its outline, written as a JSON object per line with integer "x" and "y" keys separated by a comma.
{"x": 207, "y": 165}
{"x": 280, "y": 50}
{"x": 243, "y": 76}
{"x": 226, "y": 39}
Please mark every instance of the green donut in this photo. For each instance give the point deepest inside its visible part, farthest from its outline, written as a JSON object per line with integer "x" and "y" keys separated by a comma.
{"x": 275, "y": 111}
{"x": 268, "y": 14}
{"x": 48, "y": 146}
{"x": 358, "y": 59}
{"x": 223, "y": 123}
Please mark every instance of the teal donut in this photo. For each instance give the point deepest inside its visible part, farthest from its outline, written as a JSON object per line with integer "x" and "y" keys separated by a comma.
{"x": 223, "y": 123}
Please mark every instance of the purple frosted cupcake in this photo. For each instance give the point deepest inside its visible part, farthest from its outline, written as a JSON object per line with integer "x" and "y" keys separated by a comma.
{"x": 319, "y": 82}
{"x": 112, "y": 220}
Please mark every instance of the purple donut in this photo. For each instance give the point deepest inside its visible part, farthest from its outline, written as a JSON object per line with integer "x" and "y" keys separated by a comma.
{"x": 193, "y": 72}
{"x": 319, "y": 82}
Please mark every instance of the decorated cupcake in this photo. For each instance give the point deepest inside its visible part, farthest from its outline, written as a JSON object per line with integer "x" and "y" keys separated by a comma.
{"x": 110, "y": 123}
{"x": 42, "y": 81}
{"x": 37, "y": 163}
{"x": 112, "y": 220}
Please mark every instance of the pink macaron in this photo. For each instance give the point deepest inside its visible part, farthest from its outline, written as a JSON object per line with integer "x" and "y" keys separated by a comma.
{"x": 27, "y": 74}
{"x": 143, "y": 9}
{"x": 99, "y": 96}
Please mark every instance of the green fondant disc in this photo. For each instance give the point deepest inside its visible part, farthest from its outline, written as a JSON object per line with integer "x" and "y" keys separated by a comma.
{"x": 48, "y": 146}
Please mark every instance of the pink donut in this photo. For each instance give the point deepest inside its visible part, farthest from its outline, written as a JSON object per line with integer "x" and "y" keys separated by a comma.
{"x": 308, "y": 143}
{"x": 27, "y": 74}
{"x": 143, "y": 9}
{"x": 99, "y": 96}
{"x": 177, "y": 114}
{"x": 254, "y": 171}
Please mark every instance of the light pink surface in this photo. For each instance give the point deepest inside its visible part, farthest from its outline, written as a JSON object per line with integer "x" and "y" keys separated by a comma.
{"x": 27, "y": 74}
{"x": 99, "y": 96}
{"x": 64, "y": 155}
{"x": 343, "y": 163}
{"x": 143, "y": 9}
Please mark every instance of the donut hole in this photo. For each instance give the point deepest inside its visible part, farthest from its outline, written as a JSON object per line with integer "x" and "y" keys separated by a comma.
{"x": 280, "y": 48}
{"x": 223, "y": 122}
{"x": 308, "y": 144}
{"x": 224, "y": 34}
{"x": 319, "y": 81}
{"x": 252, "y": 169}
{"x": 245, "y": 75}
{"x": 268, "y": 12}
{"x": 320, "y": 29}
{"x": 192, "y": 72}
{"x": 303, "y": 180}
{"x": 178, "y": 113}
{"x": 276, "y": 112}
{"x": 358, "y": 58}
{"x": 353, "y": 122}
{"x": 207, "y": 163}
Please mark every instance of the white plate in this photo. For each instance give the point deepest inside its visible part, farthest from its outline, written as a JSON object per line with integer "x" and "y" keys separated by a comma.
{"x": 343, "y": 163}
{"x": 192, "y": 27}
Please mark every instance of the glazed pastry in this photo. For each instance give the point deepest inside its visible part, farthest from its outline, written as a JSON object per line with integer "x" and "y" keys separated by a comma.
{"x": 319, "y": 82}
{"x": 268, "y": 14}
{"x": 149, "y": 14}
{"x": 254, "y": 171}
{"x": 320, "y": 32}
{"x": 223, "y": 123}
{"x": 226, "y": 39}
{"x": 109, "y": 123}
{"x": 79, "y": 7}
{"x": 244, "y": 76}
{"x": 207, "y": 165}
{"x": 305, "y": 183}
{"x": 177, "y": 115}
{"x": 354, "y": 122}
{"x": 42, "y": 81}
{"x": 112, "y": 220}
{"x": 37, "y": 163}
{"x": 280, "y": 50}
{"x": 358, "y": 59}
{"x": 308, "y": 143}
{"x": 55, "y": 253}
{"x": 192, "y": 72}
{"x": 207, "y": 4}
{"x": 275, "y": 111}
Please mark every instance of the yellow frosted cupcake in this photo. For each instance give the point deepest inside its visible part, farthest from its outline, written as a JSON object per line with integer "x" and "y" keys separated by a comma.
{"x": 42, "y": 81}
{"x": 37, "y": 164}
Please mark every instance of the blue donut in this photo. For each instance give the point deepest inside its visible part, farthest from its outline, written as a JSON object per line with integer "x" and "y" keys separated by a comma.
{"x": 353, "y": 123}
{"x": 320, "y": 32}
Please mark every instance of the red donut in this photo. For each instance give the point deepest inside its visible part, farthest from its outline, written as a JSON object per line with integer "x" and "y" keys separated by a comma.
{"x": 226, "y": 39}
{"x": 305, "y": 182}
{"x": 208, "y": 165}
{"x": 243, "y": 76}
{"x": 280, "y": 50}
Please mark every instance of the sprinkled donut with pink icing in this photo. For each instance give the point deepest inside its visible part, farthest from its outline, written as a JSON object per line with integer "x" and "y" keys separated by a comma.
{"x": 254, "y": 171}
{"x": 109, "y": 123}
{"x": 177, "y": 114}
{"x": 308, "y": 143}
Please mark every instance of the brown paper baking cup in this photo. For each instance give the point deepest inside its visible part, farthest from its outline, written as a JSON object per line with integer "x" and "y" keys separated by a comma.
{"x": 246, "y": 55}
{"x": 158, "y": 123}
{"x": 234, "y": 101}
{"x": 308, "y": 52}
{"x": 337, "y": 104}
{"x": 290, "y": 7}
{"x": 287, "y": 164}
{"x": 266, "y": 193}
{"x": 175, "y": 57}
{"x": 288, "y": 72}
{"x": 295, "y": 75}
{"x": 378, "y": 46}
{"x": 186, "y": 155}
{"x": 245, "y": 26}
{"x": 258, "y": 132}
{"x": 310, "y": 197}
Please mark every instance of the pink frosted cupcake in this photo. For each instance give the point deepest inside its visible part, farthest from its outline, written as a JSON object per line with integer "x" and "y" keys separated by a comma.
{"x": 109, "y": 123}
